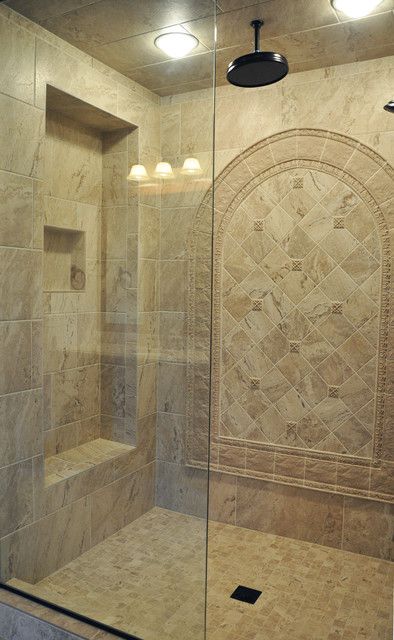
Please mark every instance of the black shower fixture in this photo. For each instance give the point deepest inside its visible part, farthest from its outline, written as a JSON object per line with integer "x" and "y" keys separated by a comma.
{"x": 389, "y": 106}
{"x": 258, "y": 68}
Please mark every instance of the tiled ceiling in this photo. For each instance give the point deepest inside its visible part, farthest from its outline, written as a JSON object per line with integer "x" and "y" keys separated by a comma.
{"x": 121, "y": 34}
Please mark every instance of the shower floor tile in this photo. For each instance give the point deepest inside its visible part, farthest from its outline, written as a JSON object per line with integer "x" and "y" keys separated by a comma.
{"x": 148, "y": 579}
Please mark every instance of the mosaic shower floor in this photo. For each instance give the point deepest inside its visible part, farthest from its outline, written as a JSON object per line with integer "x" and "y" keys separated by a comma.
{"x": 148, "y": 579}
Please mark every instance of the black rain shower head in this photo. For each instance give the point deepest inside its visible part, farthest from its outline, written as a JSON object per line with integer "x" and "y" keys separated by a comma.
{"x": 259, "y": 68}
{"x": 390, "y": 106}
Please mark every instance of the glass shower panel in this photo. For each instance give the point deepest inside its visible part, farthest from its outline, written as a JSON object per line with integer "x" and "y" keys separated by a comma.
{"x": 104, "y": 320}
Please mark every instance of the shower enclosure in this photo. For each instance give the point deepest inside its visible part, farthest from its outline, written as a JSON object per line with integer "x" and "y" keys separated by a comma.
{"x": 104, "y": 436}
{"x": 196, "y": 354}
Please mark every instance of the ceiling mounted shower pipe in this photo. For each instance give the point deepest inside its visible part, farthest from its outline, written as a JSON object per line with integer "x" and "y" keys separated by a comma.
{"x": 259, "y": 68}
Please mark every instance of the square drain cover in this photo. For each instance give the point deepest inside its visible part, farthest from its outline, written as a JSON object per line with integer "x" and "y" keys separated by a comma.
{"x": 245, "y": 594}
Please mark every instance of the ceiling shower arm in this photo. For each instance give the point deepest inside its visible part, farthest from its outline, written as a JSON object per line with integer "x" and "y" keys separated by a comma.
{"x": 257, "y": 24}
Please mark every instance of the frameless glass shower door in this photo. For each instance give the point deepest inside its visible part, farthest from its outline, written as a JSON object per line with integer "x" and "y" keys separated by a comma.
{"x": 104, "y": 321}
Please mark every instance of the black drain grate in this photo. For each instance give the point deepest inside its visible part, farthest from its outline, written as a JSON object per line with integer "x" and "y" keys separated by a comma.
{"x": 246, "y": 594}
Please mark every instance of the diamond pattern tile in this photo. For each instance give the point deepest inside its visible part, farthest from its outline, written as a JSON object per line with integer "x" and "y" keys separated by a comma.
{"x": 278, "y": 224}
{"x": 300, "y": 316}
{"x": 296, "y": 285}
{"x": 352, "y": 435}
{"x": 257, "y": 284}
{"x": 360, "y": 265}
{"x": 297, "y": 244}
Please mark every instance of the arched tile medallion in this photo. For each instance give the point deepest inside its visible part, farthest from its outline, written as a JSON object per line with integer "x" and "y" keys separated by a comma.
{"x": 301, "y": 309}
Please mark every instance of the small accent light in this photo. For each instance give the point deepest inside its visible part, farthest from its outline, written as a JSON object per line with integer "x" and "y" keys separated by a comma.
{"x": 163, "y": 170}
{"x": 138, "y": 173}
{"x": 176, "y": 44}
{"x": 355, "y": 8}
{"x": 191, "y": 167}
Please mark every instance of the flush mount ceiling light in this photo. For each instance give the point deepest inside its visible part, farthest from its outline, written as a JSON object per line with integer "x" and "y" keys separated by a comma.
{"x": 176, "y": 44}
{"x": 355, "y": 8}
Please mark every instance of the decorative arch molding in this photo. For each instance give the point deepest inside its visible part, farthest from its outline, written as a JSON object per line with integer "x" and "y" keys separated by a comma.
{"x": 372, "y": 179}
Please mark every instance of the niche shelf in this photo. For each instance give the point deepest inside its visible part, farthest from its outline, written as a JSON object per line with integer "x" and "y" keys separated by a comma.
{"x": 64, "y": 259}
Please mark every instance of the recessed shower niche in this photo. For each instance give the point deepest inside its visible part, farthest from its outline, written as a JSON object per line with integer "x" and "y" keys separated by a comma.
{"x": 88, "y": 218}
{"x": 64, "y": 259}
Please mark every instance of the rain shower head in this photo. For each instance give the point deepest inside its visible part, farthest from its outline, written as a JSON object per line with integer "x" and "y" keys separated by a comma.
{"x": 390, "y": 106}
{"x": 258, "y": 68}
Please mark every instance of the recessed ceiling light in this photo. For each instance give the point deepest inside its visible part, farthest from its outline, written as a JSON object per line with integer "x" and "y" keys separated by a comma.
{"x": 176, "y": 44}
{"x": 355, "y": 8}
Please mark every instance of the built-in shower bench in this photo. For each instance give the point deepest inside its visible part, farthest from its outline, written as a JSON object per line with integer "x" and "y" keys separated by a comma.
{"x": 72, "y": 462}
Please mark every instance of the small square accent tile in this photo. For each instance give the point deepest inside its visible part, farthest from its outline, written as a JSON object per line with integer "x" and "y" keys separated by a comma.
{"x": 298, "y": 182}
{"x": 291, "y": 428}
{"x": 296, "y": 265}
{"x": 255, "y": 383}
{"x": 337, "y": 307}
{"x": 246, "y": 594}
{"x": 295, "y": 347}
{"x": 339, "y": 223}
{"x": 333, "y": 392}
{"x": 257, "y": 305}
{"x": 259, "y": 225}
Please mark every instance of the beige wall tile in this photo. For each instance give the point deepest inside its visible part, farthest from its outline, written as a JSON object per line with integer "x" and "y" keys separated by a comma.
{"x": 172, "y": 388}
{"x": 147, "y": 285}
{"x": 21, "y": 137}
{"x": 112, "y": 507}
{"x": 368, "y": 527}
{"x": 290, "y": 511}
{"x": 222, "y": 497}
{"x": 113, "y": 390}
{"x": 16, "y": 210}
{"x": 147, "y": 389}
{"x": 181, "y": 488}
{"x": 15, "y": 346}
{"x": 18, "y": 55}
{"x": 20, "y": 284}
{"x": 55, "y": 67}
{"x": 114, "y": 184}
{"x": 60, "y": 342}
{"x": 113, "y": 238}
{"x": 21, "y": 426}
{"x": 16, "y": 485}
{"x": 172, "y": 285}
{"x": 75, "y": 395}
{"x": 43, "y": 547}
{"x": 171, "y": 434}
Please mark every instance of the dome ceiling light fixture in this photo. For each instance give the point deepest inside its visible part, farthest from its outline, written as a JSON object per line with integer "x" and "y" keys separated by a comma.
{"x": 355, "y": 8}
{"x": 259, "y": 68}
{"x": 176, "y": 44}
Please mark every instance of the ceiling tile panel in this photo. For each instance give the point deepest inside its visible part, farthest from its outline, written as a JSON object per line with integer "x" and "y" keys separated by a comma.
{"x": 121, "y": 34}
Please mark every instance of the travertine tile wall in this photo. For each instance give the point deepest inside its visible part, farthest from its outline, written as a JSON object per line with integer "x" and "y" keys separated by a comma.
{"x": 346, "y": 100}
{"x": 93, "y": 504}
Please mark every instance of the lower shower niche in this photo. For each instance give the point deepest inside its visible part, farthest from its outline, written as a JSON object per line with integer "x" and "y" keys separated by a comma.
{"x": 64, "y": 259}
